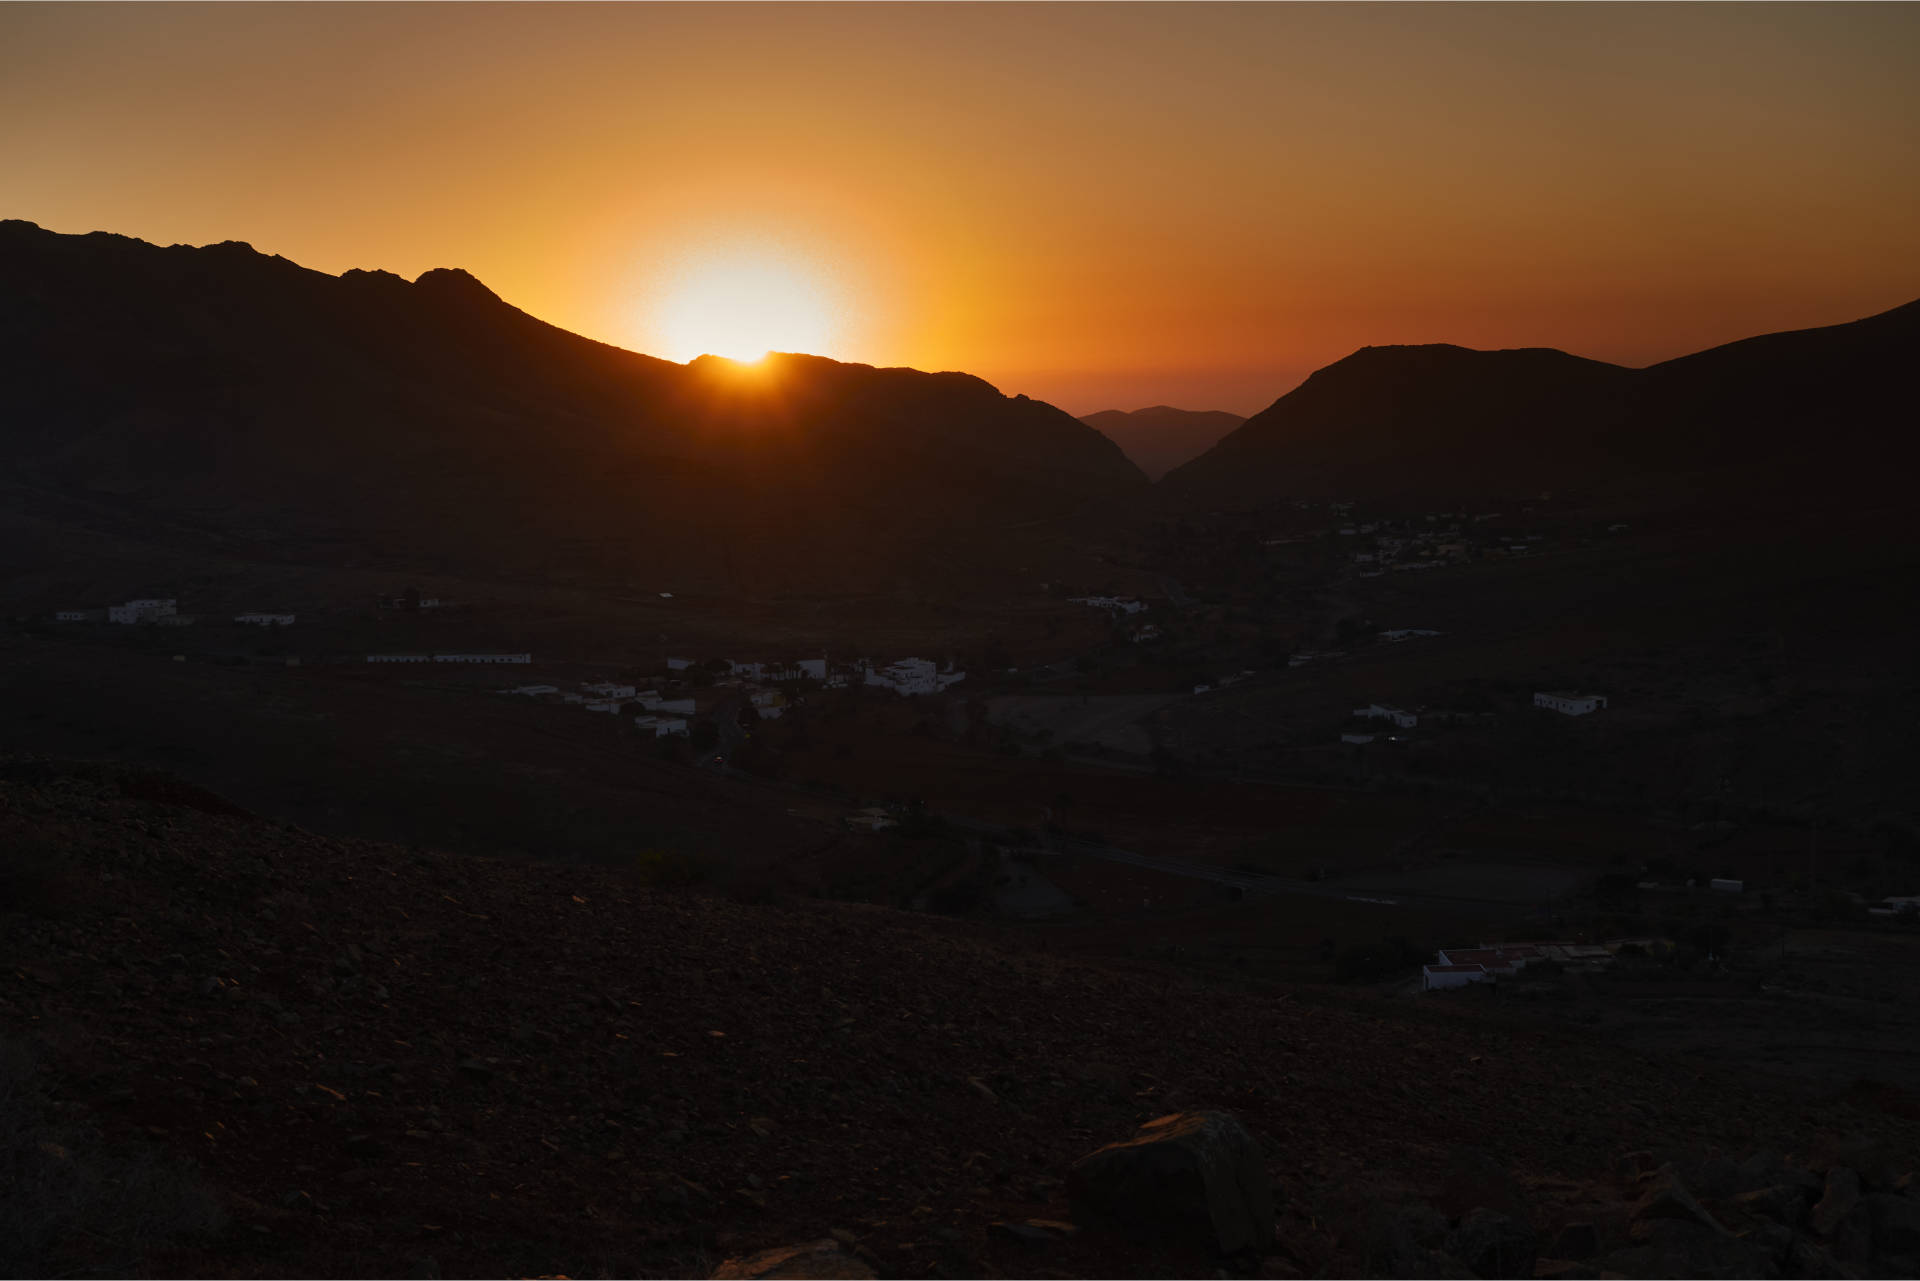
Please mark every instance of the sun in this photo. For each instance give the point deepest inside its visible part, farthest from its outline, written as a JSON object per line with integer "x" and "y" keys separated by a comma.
{"x": 743, "y": 305}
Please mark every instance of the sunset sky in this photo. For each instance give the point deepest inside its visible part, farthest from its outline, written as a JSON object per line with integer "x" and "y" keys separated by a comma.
{"x": 1104, "y": 206}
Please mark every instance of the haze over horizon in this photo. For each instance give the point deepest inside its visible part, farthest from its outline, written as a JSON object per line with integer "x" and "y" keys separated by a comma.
{"x": 1104, "y": 207}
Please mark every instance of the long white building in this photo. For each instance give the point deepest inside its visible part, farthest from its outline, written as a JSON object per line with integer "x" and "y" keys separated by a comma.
{"x": 1569, "y": 703}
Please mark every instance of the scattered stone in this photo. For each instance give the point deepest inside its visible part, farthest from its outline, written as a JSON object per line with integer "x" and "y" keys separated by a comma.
{"x": 1896, "y": 1223}
{"x": 1192, "y": 1175}
{"x": 1852, "y": 1240}
{"x": 1576, "y": 1241}
{"x": 1840, "y": 1195}
{"x": 1780, "y": 1203}
{"x": 1807, "y": 1259}
{"x": 1674, "y": 1247}
{"x": 1494, "y": 1244}
{"x": 821, "y": 1260}
{"x": 1033, "y": 1232}
{"x": 365, "y": 1147}
{"x": 1632, "y": 1165}
{"x": 1564, "y": 1270}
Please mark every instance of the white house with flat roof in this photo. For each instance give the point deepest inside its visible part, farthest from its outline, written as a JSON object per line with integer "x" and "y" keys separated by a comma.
{"x": 265, "y": 620}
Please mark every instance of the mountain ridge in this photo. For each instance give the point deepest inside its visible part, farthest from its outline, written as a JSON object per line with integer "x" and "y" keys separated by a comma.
{"x": 1437, "y": 418}
{"x": 366, "y": 407}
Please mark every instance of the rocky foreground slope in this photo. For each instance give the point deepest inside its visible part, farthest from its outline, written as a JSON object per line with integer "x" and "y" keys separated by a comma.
{"x": 237, "y": 1049}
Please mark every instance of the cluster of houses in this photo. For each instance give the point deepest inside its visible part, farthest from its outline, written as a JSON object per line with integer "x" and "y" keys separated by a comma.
{"x": 1563, "y": 701}
{"x": 1115, "y": 605}
{"x": 1569, "y": 703}
{"x": 450, "y": 658}
{"x": 909, "y": 676}
{"x": 661, "y": 715}
{"x": 161, "y": 612}
{"x": 1222, "y": 682}
{"x": 1460, "y": 966}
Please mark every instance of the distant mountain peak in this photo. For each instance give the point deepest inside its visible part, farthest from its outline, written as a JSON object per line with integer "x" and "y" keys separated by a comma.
{"x": 454, "y": 281}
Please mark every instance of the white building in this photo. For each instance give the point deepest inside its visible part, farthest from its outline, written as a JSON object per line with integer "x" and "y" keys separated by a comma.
{"x": 483, "y": 658}
{"x": 1434, "y": 978}
{"x": 1570, "y": 703}
{"x": 534, "y": 691}
{"x": 1406, "y": 633}
{"x": 399, "y": 658}
{"x": 609, "y": 705}
{"x": 141, "y": 611}
{"x": 813, "y": 668}
{"x": 679, "y": 664}
{"x": 80, "y": 616}
{"x": 607, "y": 689}
{"x": 265, "y": 620}
{"x": 1356, "y": 738}
{"x": 1722, "y": 885}
{"x": 659, "y": 726}
{"x": 684, "y": 706}
{"x": 911, "y": 676}
{"x": 1380, "y": 711}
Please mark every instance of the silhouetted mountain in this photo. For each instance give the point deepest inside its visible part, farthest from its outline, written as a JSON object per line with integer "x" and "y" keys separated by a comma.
{"x": 1160, "y": 438}
{"x": 1784, "y": 410}
{"x": 233, "y": 393}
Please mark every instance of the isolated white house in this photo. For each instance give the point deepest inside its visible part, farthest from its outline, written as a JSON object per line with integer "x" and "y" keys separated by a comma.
{"x": 1406, "y": 633}
{"x": 1115, "y": 604}
{"x": 1380, "y": 711}
{"x": 1356, "y": 738}
{"x": 534, "y": 691}
{"x": 1570, "y": 703}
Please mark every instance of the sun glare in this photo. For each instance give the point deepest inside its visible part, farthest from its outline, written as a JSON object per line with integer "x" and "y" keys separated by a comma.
{"x": 743, "y": 306}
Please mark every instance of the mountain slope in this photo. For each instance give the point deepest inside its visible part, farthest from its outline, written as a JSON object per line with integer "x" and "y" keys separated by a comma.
{"x": 244, "y": 394}
{"x": 1160, "y": 438}
{"x": 1785, "y": 409}
{"x": 365, "y": 1056}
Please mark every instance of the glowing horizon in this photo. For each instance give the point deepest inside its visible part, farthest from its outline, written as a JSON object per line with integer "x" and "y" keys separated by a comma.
{"x": 1102, "y": 206}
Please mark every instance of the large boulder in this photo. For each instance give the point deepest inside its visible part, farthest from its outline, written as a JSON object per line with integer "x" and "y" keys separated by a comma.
{"x": 1495, "y": 1244}
{"x": 1896, "y": 1223}
{"x": 1687, "y": 1248}
{"x": 1666, "y": 1196}
{"x": 1197, "y": 1176}
{"x": 1841, "y": 1194}
{"x": 821, "y": 1260}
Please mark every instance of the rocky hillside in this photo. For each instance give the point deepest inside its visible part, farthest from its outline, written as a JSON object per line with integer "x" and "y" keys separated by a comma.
{"x": 219, "y": 392}
{"x": 1802, "y": 414}
{"x": 239, "y": 1049}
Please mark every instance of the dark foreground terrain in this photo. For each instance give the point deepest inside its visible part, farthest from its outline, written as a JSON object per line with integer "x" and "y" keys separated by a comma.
{"x": 236, "y": 1048}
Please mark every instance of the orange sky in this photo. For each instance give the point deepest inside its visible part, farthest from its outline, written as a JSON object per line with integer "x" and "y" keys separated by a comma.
{"x": 1105, "y": 206}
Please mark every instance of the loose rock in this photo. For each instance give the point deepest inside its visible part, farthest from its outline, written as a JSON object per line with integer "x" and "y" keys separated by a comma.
{"x": 1193, "y": 1175}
